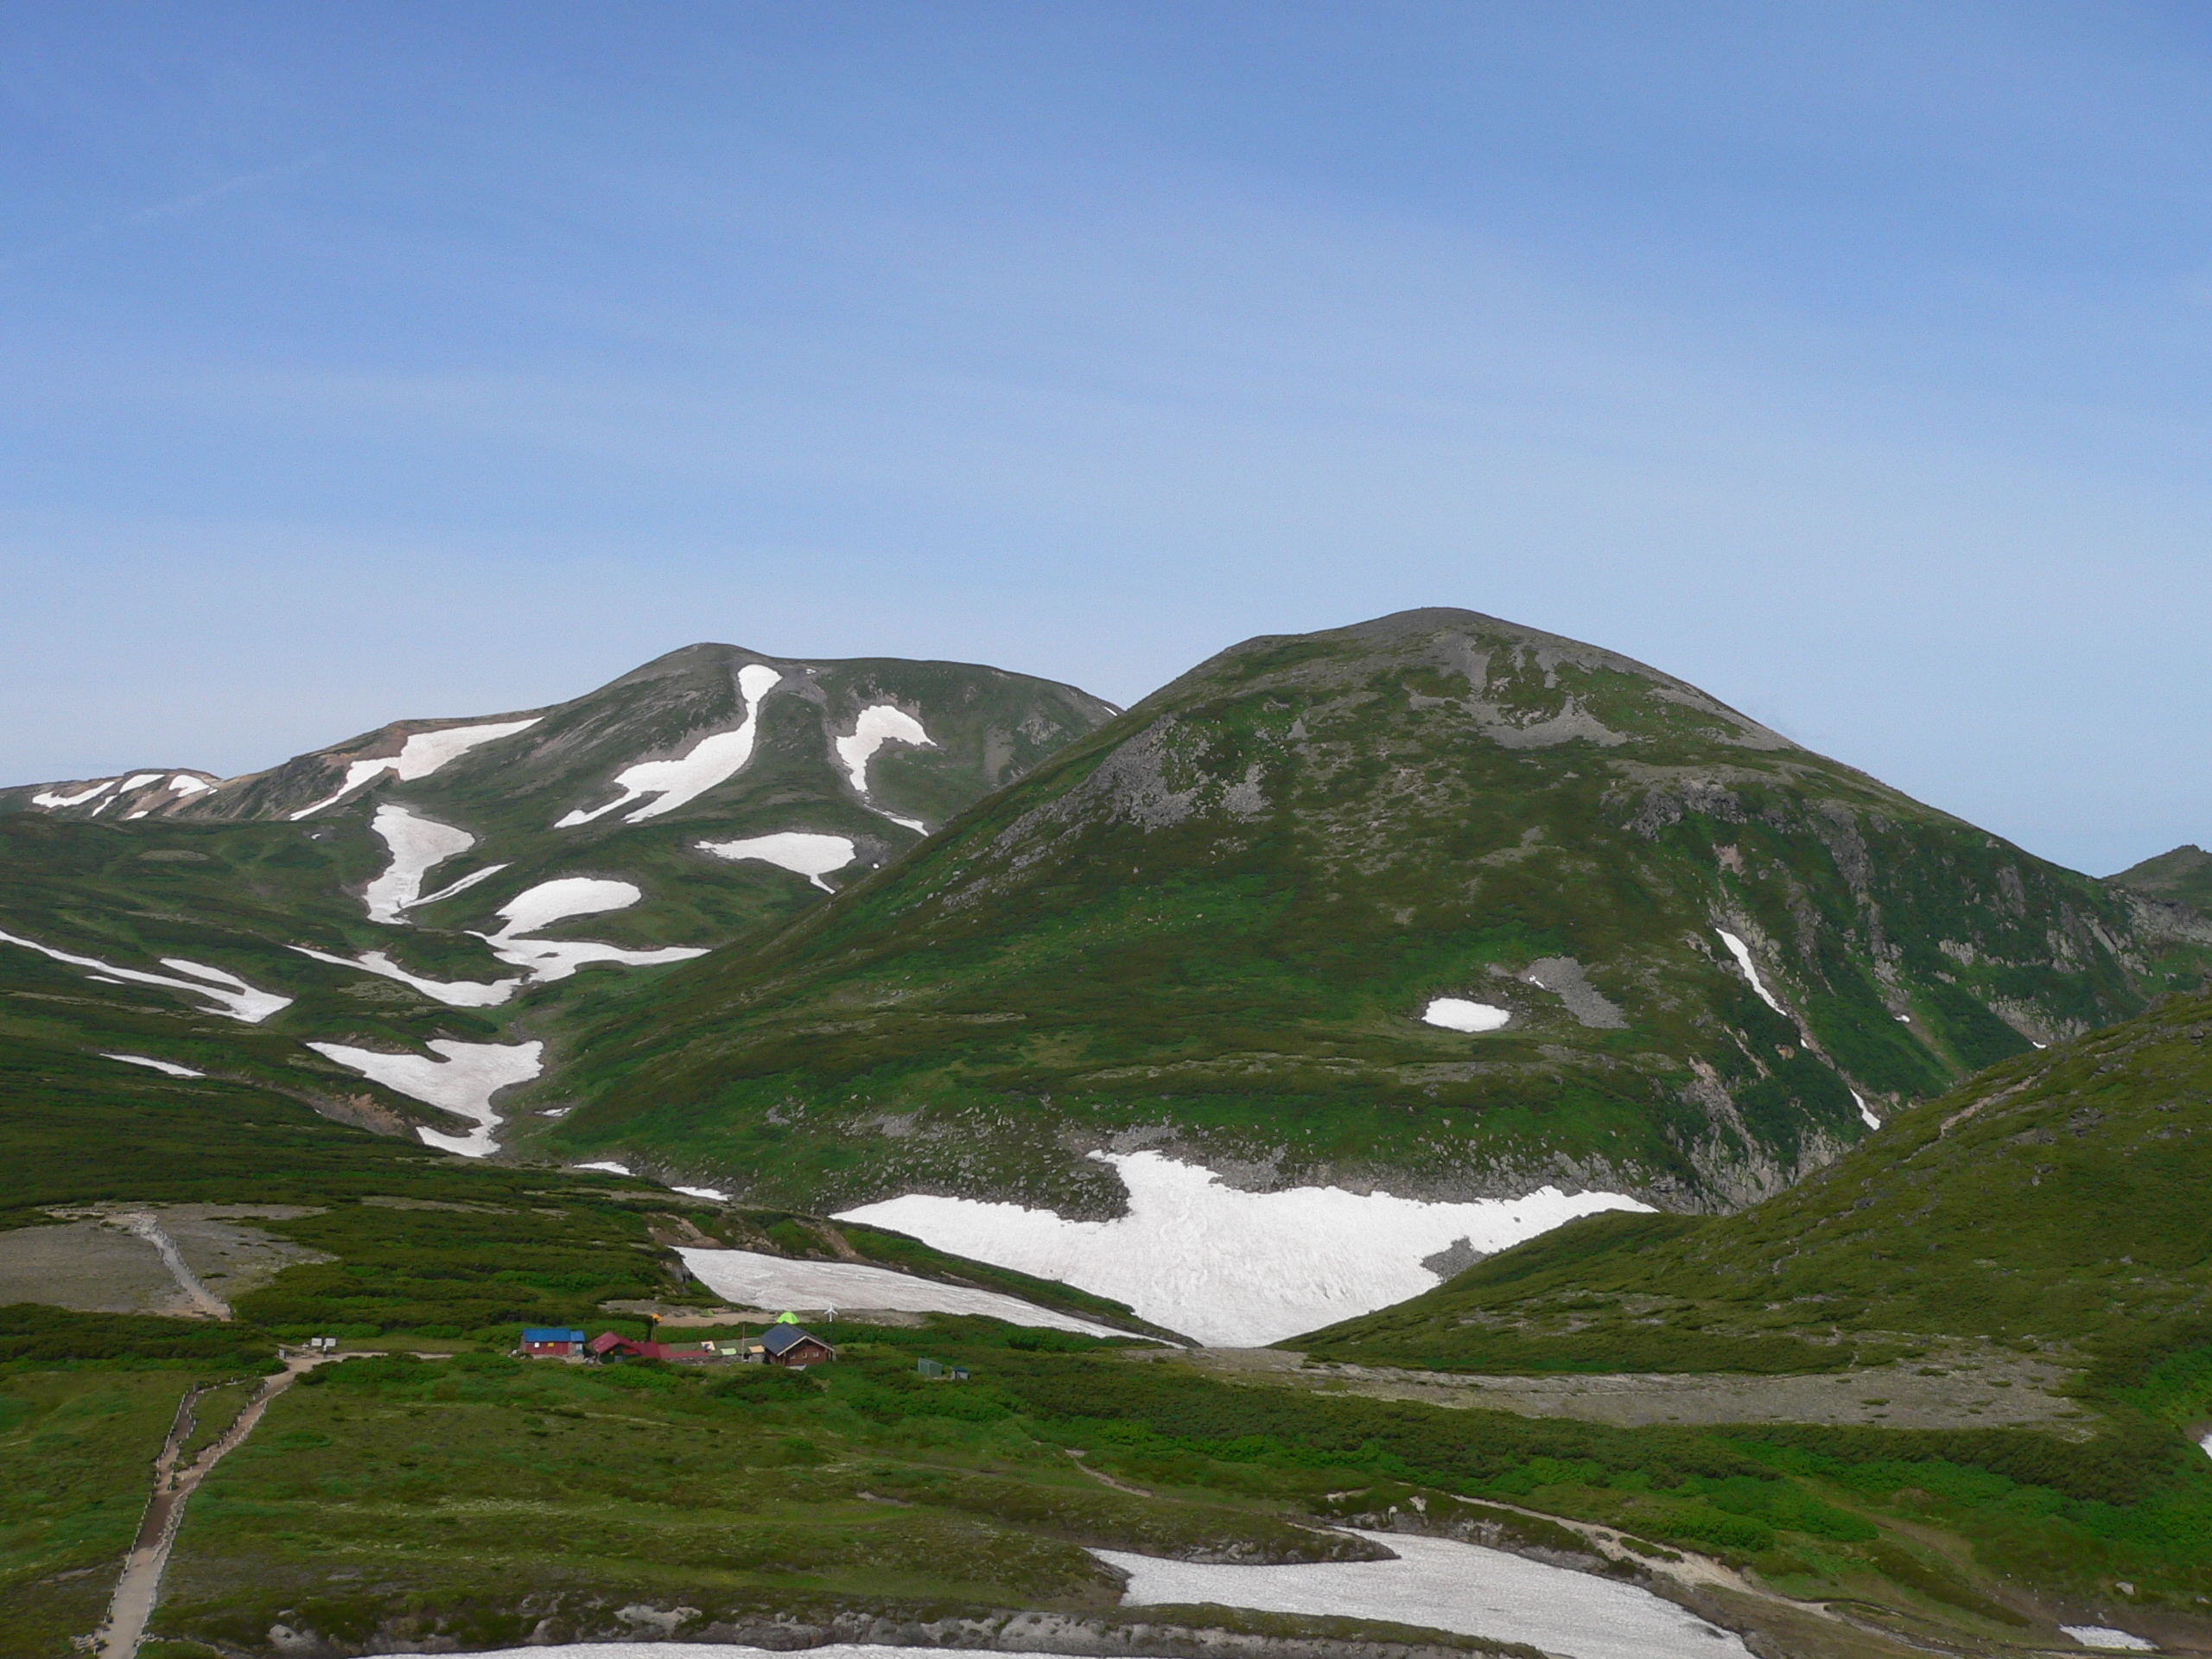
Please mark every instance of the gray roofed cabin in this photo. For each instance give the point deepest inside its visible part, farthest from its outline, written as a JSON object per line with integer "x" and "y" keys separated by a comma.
{"x": 790, "y": 1344}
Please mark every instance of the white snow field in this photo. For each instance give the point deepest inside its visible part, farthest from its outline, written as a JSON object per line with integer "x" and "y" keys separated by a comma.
{"x": 881, "y": 723}
{"x": 454, "y": 993}
{"x": 771, "y": 1281}
{"x": 462, "y": 886}
{"x": 184, "y": 784}
{"x": 169, "y": 1066}
{"x": 1865, "y": 1112}
{"x": 714, "y": 1193}
{"x": 1457, "y": 1013}
{"x": 540, "y": 959}
{"x": 463, "y": 1082}
{"x": 1440, "y": 1584}
{"x": 137, "y": 780}
{"x": 417, "y": 844}
{"x": 1233, "y": 1268}
{"x": 230, "y": 994}
{"x": 1742, "y": 952}
{"x": 611, "y": 1169}
{"x": 710, "y": 761}
{"x": 800, "y": 851}
{"x": 49, "y": 798}
{"x": 558, "y": 900}
{"x": 418, "y": 757}
{"x": 2107, "y": 1640}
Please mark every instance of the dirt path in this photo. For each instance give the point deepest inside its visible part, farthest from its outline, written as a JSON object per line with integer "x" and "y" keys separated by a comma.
{"x": 149, "y": 1228}
{"x": 132, "y": 1604}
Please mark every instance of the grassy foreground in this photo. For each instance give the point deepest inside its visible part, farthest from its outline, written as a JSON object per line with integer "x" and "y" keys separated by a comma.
{"x": 478, "y": 1500}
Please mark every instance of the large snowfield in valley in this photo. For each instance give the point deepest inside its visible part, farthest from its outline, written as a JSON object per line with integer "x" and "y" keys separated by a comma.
{"x": 1229, "y": 1268}
{"x": 771, "y": 1281}
{"x": 1440, "y": 1584}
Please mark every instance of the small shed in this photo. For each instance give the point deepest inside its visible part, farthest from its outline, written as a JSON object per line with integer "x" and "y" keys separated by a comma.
{"x": 791, "y": 1345}
{"x": 551, "y": 1342}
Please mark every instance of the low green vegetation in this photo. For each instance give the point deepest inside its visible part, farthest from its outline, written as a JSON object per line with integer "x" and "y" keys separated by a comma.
{"x": 2054, "y": 1204}
{"x": 2184, "y": 876}
{"x": 1222, "y": 914}
{"x": 77, "y": 1445}
{"x": 480, "y": 1498}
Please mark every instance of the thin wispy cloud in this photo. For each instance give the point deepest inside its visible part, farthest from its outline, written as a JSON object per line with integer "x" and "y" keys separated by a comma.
{"x": 161, "y": 212}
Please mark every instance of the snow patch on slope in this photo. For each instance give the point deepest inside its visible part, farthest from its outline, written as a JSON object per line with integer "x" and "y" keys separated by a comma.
{"x": 556, "y": 901}
{"x": 454, "y": 993}
{"x": 416, "y": 845}
{"x": 1865, "y": 1112}
{"x": 1457, "y": 1013}
{"x": 463, "y": 1082}
{"x": 771, "y": 1281}
{"x": 711, "y": 761}
{"x": 231, "y": 995}
{"x": 1742, "y": 952}
{"x": 881, "y": 723}
{"x": 48, "y": 797}
{"x": 169, "y": 1066}
{"x": 2105, "y": 1638}
{"x": 541, "y": 960}
{"x": 1229, "y": 1267}
{"x": 418, "y": 757}
{"x": 802, "y": 852}
{"x": 1440, "y": 1584}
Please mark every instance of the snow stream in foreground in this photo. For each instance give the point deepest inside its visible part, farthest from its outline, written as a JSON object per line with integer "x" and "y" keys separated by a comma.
{"x": 771, "y": 1281}
{"x": 230, "y": 994}
{"x": 1440, "y": 1584}
{"x": 710, "y": 760}
{"x": 463, "y": 1082}
{"x": 1234, "y": 1268}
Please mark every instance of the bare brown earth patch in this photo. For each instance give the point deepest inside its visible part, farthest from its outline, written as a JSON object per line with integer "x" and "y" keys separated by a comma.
{"x": 93, "y": 1263}
{"x": 1952, "y": 1386}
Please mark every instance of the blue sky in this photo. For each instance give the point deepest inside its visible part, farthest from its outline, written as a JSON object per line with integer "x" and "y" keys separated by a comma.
{"x": 1850, "y": 361}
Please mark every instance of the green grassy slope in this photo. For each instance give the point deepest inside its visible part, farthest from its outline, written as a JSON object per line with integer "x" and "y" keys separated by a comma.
{"x": 474, "y": 1498}
{"x": 226, "y": 879}
{"x": 2184, "y": 875}
{"x": 1223, "y": 912}
{"x": 391, "y": 1501}
{"x": 2056, "y": 1201}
